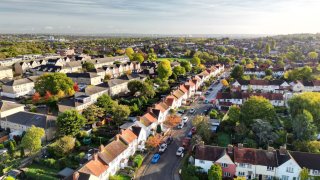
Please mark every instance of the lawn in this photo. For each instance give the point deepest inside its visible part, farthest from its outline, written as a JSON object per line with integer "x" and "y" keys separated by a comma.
{"x": 38, "y": 172}
{"x": 173, "y": 59}
{"x": 223, "y": 139}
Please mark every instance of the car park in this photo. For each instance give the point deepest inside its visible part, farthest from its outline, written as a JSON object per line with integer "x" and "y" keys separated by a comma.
{"x": 163, "y": 148}
{"x": 180, "y": 152}
{"x": 192, "y": 111}
{"x": 180, "y": 126}
{"x": 185, "y": 119}
{"x": 155, "y": 158}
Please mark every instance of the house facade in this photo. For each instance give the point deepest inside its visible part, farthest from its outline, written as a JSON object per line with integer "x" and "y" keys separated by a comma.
{"x": 18, "y": 88}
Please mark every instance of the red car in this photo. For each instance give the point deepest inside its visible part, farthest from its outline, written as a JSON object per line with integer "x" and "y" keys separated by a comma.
{"x": 194, "y": 130}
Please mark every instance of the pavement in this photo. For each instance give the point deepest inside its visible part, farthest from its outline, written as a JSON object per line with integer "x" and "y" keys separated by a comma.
{"x": 168, "y": 165}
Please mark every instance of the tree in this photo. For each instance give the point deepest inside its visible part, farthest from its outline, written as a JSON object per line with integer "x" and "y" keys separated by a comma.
{"x": 215, "y": 172}
{"x": 257, "y": 107}
{"x": 224, "y": 82}
{"x": 164, "y": 69}
{"x": 186, "y": 65}
{"x": 53, "y": 83}
{"x": 159, "y": 129}
{"x": 32, "y": 139}
{"x": 264, "y": 131}
{"x": 120, "y": 113}
{"x": 36, "y": 97}
{"x": 9, "y": 178}
{"x": 267, "y": 49}
{"x": 195, "y": 61}
{"x": 48, "y": 96}
{"x": 203, "y": 129}
{"x": 152, "y": 57}
{"x": 273, "y": 44}
{"x": 93, "y": 113}
{"x": 173, "y": 120}
{"x": 137, "y": 57}
{"x": 178, "y": 70}
{"x": 268, "y": 72}
{"x": 129, "y": 52}
{"x": 234, "y": 114}
{"x": 70, "y": 122}
{"x": 237, "y": 72}
{"x": 105, "y": 102}
{"x": 63, "y": 146}
{"x": 76, "y": 87}
{"x": 142, "y": 88}
{"x": 304, "y": 174}
{"x": 313, "y": 55}
{"x": 153, "y": 141}
{"x": 21, "y": 152}
{"x": 309, "y": 101}
{"x": 88, "y": 66}
{"x": 11, "y": 148}
{"x": 220, "y": 49}
{"x": 304, "y": 73}
{"x": 307, "y": 146}
{"x": 303, "y": 127}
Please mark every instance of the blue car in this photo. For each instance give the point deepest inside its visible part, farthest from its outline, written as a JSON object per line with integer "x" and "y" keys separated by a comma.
{"x": 155, "y": 158}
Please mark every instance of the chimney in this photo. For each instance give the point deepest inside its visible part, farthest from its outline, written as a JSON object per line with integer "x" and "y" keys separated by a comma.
{"x": 230, "y": 149}
{"x": 149, "y": 109}
{"x": 117, "y": 137}
{"x": 240, "y": 145}
{"x": 101, "y": 147}
{"x": 121, "y": 131}
{"x": 283, "y": 150}
{"x": 95, "y": 156}
{"x": 75, "y": 175}
{"x": 270, "y": 149}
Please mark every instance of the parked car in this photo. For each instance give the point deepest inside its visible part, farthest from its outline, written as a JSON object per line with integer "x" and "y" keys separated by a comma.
{"x": 210, "y": 89}
{"x": 180, "y": 126}
{"x": 180, "y": 151}
{"x": 169, "y": 140}
{"x": 207, "y": 93}
{"x": 185, "y": 119}
{"x": 189, "y": 135}
{"x": 155, "y": 158}
{"x": 163, "y": 148}
{"x": 193, "y": 130}
{"x": 181, "y": 111}
{"x": 192, "y": 111}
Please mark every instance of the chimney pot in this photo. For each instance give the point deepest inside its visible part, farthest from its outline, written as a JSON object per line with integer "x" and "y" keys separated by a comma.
{"x": 230, "y": 148}
{"x": 240, "y": 145}
{"x": 75, "y": 175}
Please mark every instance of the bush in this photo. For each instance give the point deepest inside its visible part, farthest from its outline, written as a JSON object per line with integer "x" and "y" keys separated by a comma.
{"x": 138, "y": 159}
{"x": 1, "y": 146}
{"x": 50, "y": 163}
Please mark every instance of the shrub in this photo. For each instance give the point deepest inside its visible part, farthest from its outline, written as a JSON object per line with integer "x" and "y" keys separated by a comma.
{"x": 138, "y": 159}
{"x": 1, "y": 146}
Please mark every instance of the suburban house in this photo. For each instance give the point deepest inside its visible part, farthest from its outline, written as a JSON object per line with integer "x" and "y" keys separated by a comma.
{"x": 23, "y": 66}
{"x": 82, "y": 100}
{"x": 206, "y": 156}
{"x": 8, "y": 108}
{"x": 305, "y": 86}
{"x": 85, "y": 78}
{"x": 149, "y": 121}
{"x": 110, "y": 158}
{"x": 100, "y": 62}
{"x": 74, "y": 66}
{"x": 22, "y": 120}
{"x": 6, "y": 72}
{"x": 288, "y": 168}
{"x": 164, "y": 109}
{"x": 19, "y": 87}
{"x": 191, "y": 87}
{"x": 307, "y": 160}
{"x": 260, "y": 85}
{"x": 140, "y": 130}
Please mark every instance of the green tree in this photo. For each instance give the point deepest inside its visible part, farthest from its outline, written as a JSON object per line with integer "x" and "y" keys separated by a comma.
{"x": 304, "y": 174}
{"x": 237, "y": 72}
{"x": 88, "y": 66}
{"x": 220, "y": 49}
{"x": 105, "y": 102}
{"x": 304, "y": 73}
{"x": 215, "y": 172}
{"x": 303, "y": 127}
{"x": 203, "y": 129}
{"x": 273, "y": 44}
{"x": 141, "y": 88}
{"x": 179, "y": 70}
{"x": 186, "y": 65}
{"x": 267, "y": 49}
{"x": 313, "y": 55}
{"x": 53, "y": 83}
{"x": 9, "y": 178}
{"x": 264, "y": 131}
{"x": 32, "y": 139}
{"x": 257, "y": 107}
{"x": 129, "y": 52}
{"x": 137, "y": 57}
{"x": 164, "y": 69}
{"x": 120, "y": 113}
{"x": 195, "y": 61}
{"x": 93, "y": 113}
{"x": 268, "y": 72}
{"x": 63, "y": 146}
{"x": 234, "y": 114}
{"x": 152, "y": 57}
{"x": 70, "y": 122}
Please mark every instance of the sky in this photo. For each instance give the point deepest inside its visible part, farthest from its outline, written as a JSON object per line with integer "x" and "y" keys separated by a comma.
{"x": 160, "y": 16}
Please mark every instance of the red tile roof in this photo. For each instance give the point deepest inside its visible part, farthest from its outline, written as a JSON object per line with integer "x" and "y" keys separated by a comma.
{"x": 95, "y": 167}
{"x": 112, "y": 151}
{"x": 147, "y": 119}
{"x": 183, "y": 88}
{"x": 128, "y": 136}
{"x": 170, "y": 100}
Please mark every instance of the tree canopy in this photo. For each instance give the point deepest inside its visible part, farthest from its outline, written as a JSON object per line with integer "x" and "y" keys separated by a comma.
{"x": 304, "y": 73}
{"x": 63, "y": 146}
{"x": 88, "y": 66}
{"x": 53, "y": 83}
{"x": 141, "y": 88}
{"x": 195, "y": 61}
{"x": 179, "y": 70}
{"x": 313, "y": 55}
{"x": 237, "y": 72}
{"x": 32, "y": 139}
{"x": 186, "y": 65}
{"x": 215, "y": 172}
{"x": 164, "y": 69}
{"x": 70, "y": 122}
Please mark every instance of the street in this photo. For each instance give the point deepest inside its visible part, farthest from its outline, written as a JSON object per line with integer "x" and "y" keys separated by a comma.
{"x": 167, "y": 166}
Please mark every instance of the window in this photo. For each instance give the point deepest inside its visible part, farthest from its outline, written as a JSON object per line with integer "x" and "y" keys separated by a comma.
{"x": 241, "y": 173}
{"x": 285, "y": 177}
{"x": 249, "y": 166}
{"x": 242, "y": 165}
{"x": 201, "y": 161}
{"x": 224, "y": 165}
{"x": 269, "y": 168}
{"x": 226, "y": 174}
{"x": 290, "y": 169}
